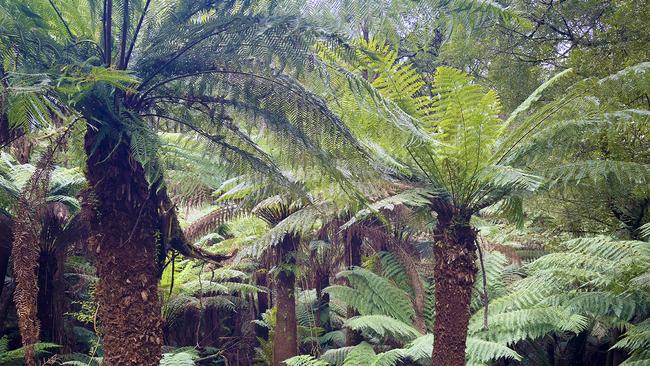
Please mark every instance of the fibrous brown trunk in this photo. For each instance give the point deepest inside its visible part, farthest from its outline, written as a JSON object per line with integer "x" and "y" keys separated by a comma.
{"x": 123, "y": 222}
{"x": 285, "y": 338}
{"x": 454, "y": 272}
{"x": 30, "y": 210}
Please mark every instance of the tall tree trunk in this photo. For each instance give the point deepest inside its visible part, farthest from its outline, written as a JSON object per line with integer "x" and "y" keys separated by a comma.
{"x": 352, "y": 259}
{"x": 454, "y": 272}
{"x": 285, "y": 339}
{"x": 123, "y": 221}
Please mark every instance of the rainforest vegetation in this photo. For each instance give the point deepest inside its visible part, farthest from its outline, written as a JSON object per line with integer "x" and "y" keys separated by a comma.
{"x": 325, "y": 182}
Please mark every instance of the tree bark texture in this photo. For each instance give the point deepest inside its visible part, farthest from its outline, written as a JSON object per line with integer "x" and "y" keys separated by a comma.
{"x": 454, "y": 272}
{"x": 285, "y": 338}
{"x": 123, "y": 223}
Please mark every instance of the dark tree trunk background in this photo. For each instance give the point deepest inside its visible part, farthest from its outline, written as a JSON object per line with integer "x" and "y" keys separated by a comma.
{"x": 285, "y": 340}
{"x": 454, "y": 272}
{"x": 51, "y": 295}
{"x": 6, "y": 239}
{"x": 352, "y": 259}
{"x": 262, "y": 302}
{"x": 123, "y": 222}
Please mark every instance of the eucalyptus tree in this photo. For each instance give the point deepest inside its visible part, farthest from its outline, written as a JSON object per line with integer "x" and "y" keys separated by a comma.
{"x": 125, "y": 67}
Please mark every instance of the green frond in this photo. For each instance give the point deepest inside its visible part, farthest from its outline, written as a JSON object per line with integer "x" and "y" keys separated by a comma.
{"x": 360, "y": 355}
{"x": 644, "y": 230}
{"x": 537, "y": 94}
{"x": 364, "y": 355}
{"x": 414, "y": 197}
{"x": 185, "y": 358}
{"x": 514, "y": 326}
{"x": 481, "y": 351}
{"x": 382, "y": 326}
{"x": 17, "y": 356}
{"x": 336, "y": 356}
{"x": 594, "y": 171}
{"x": 478, "y": 351}
{"x": 636, "y": 340}
{"x": 392, "y": 269}
{"x": 305, "y": 360}
{"x": 371, "y": 294}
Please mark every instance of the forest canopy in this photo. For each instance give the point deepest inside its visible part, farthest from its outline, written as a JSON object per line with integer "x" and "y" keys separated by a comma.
{"x": 324, "y": 182}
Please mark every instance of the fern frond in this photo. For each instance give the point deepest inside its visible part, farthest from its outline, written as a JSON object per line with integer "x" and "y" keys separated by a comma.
{"x": 371, "y": 294}
{"x": 305, "y": 360}
{"x": 382, "y": 326}
{"x": 185, "y": 358}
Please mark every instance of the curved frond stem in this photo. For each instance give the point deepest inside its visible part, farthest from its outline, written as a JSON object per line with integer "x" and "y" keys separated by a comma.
{"x": 136, "y": 32}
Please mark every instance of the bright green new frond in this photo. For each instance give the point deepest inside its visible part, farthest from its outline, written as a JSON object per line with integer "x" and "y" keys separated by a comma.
{"x": 468, "y": 120}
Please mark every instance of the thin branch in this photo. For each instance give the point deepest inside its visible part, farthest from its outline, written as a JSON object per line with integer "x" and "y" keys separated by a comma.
{"x": 135, "y": 34}
{"x": 123, "y": 38}
{"x": 65, "y": 24}
{"x": 107, "y": 32}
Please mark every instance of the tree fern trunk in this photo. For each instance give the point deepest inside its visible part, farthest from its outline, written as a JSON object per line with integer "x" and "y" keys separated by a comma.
{"x": 285, "y": 338}
{"x": 454, "y": 271}
{"x": 122, "y": 235}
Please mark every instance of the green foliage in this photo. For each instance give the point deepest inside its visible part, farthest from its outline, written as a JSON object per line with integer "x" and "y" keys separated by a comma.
{"x": 17, "y": 356}
{"x": 371, "y": 294}
{"x": 381, "y": 326}
{"x": 636, "y": 341}
{"x": 184, "y": 358}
